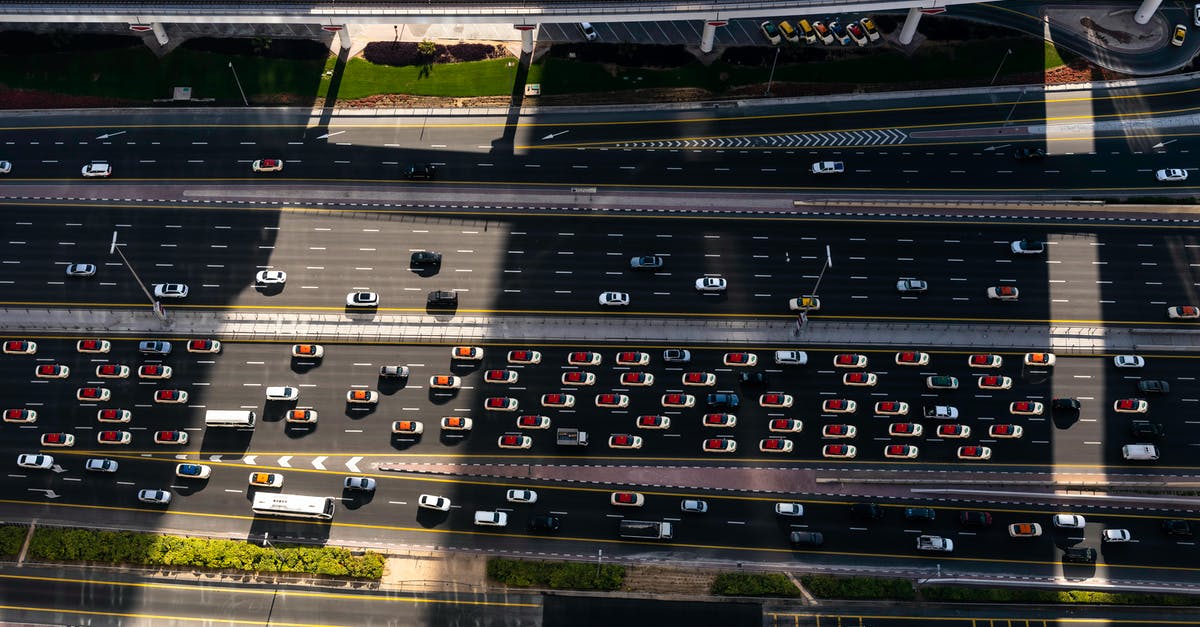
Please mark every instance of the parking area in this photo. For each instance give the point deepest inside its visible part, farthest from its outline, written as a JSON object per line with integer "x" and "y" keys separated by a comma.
{"x": 743, "y": 32}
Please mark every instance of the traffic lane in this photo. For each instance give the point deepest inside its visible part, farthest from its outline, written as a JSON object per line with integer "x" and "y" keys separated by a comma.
{"x": 1077, "y": 289}
{"x": 41, "y": 594}
{"x": 237, "y": 378}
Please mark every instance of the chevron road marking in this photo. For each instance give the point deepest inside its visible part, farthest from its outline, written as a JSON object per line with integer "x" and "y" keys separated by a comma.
{"x": 835, "y": 138}
{"x": 352, "y": 464}
{"x": 283, "y": 461}
{"x": 319, "y": 463}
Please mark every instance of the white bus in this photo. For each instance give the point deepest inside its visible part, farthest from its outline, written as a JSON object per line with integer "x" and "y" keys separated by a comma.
{"x": 293, "y": 505}
{"x": 239, "y": 418}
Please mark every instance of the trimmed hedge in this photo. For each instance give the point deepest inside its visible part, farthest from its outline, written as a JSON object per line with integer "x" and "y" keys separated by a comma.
{"x": 754, "y": 585}
{"x": 830, "y": 587}
{"x": 144, "y": 549}
{"x": 556, "y": 575}
{"x": 11, "y": 539}
{"x": 400, "y": 53}
{"x": 1010, "y": 595}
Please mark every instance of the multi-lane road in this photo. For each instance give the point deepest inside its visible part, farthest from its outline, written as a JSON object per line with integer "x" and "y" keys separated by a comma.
{"x": 530, "y": 265}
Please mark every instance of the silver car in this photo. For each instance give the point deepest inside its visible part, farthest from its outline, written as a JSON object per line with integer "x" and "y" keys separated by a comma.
{"x": 170, "y": 290}
{"x": 81, "y": 269}
{"x": 154, "y": 347}
{"x": 648, "y": 262}
{"x": 693, "y": 506}
{"x": 359, "y": 484}
{"x": 911, "y": 285}
{"x": 271, "y": 277}
{"x": 100, "y": 465}
{"x": 711, "y": 284}
{"x": 97, "y": 168}
{"x": 362, "y": 299}
{"x": 157, "y": 497}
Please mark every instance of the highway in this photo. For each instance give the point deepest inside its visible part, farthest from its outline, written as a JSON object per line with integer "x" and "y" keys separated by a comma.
{"x": 739, "y": 525}
{"x": 529, "y": 264}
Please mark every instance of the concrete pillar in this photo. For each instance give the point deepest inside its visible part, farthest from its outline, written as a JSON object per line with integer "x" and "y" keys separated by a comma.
{"x": 910, "y": 26}
{"x": 1146, "y": 11}
{"x": 526, "y": 37}
{"x": 709, "y": 34}
{"x": 159, "y": 33}
{"x": 344, "y": 37}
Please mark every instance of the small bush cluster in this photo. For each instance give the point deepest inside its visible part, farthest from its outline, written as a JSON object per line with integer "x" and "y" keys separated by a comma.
{"x": 11, "y": 539}
{"x": 1010, "y": 595}
{"x": 556, "y": 575}
{"x": 400, "y": 53}
{"x": 144, "y": 549}
{"x": 754, "y": 585}
{"x": 655, "y": 56}
{"x": 830, "y": 587}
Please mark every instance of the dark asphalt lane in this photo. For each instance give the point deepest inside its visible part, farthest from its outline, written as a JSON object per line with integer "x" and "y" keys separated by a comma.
{"x": 39, "y": 595}
{"x": 514, "y": 264}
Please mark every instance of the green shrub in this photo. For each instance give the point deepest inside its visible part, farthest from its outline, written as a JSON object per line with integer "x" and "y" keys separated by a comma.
{"x": 830, "y": 587}
{"x": 11, "y": 539}
{"x": 555, "y": 575}
{"x": 754, "y": 585}
{"x": 1009, "y": 595}
{"x": 144, "y": 549}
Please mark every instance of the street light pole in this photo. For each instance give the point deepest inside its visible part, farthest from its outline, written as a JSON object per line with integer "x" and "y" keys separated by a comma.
{"x": 1002, "y": 60}
{"x": 771, "y": 78}
{"x": 828, "y": 264}
{"x": 114, "y": 247}
{"x": 243, "y": 92}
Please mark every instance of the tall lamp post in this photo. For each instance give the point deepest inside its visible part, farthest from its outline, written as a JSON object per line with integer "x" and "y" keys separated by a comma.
{"x": 828, "y": 264}
{"x": 771, "y": 78}
{"x": 156, "y": 305}
{"x": 1002, "y": 60}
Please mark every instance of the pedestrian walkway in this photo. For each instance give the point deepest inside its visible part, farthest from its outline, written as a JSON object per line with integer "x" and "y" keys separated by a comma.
{"x": 780, "y": 332}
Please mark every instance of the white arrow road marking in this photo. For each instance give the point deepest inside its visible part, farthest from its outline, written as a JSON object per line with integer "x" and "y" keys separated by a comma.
{"x": 107, "y": 135}
{"x": 49, "y": 493}
{"x": 319, "y": 463}
{"x": 352, "y": 464}
{"x": 328, "y": 135}
{"x": 553, "y": 135}
{"x": 58, "y": 469}
{"x": 1161, "y": 144}
{"x": 283, "y": 461}
{"x": 214, "y": 458}
{"x": 996, "y": 147}
{"x": 249, "y": 459}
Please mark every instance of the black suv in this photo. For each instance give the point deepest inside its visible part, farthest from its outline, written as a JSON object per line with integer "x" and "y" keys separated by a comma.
{"x": 443, "y": 298}
{"x": 425, "y": 258}
{"x": 1176, "y": 527}
{"x": 921, "y": 514}
{"x": 806, "y": 538}
{"x": 975, "y": 519}
{"x": 724, "y": 400}
{"x": 753, "y": 378}
{"x": 548, "y": 524}
{"x": 419, "y": 171}
{"x": 1028, "y": 153}
{"x": 1153, "y": 386}
{"x": 867, "y": 511}
{"x": 1066, "y": 404}
{"x": 1079, "y": 555}
{"x": 1145, "y": 429}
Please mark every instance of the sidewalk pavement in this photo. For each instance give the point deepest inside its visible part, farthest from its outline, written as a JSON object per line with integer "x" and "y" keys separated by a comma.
{"x": 390, "y": 326}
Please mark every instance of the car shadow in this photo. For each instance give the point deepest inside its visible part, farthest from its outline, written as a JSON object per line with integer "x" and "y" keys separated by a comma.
{"x": 388, "y": 386}
{"x": 405, "y": 441}
{"x": 438, "y": 396}
{"x": 1064, "y": 418}
{"x": 430, "y": 518}
{"x": 301, "y": 365}
{"x": 354, "y": 499}
{"x": 439, "y": 311}
{"x": 295, "y": 430}
{"x": 453, "y": 438}
{"x": 358, "y": 411}
{"x": 425, "y": 271}
{"x": 269, "y": 290}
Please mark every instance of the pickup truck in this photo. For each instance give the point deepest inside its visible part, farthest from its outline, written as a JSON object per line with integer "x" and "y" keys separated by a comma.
{"x": 647, "y": 529}
{"x": 572, "y": 437}
{"x": 828, "y": 167}
{"x": 935, "y": 543}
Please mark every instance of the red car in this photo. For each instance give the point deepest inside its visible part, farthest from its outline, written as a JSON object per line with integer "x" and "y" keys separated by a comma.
{"x": 501, "y": 403}
{"x": 114, "y": 437}
{"x": 578, "y": 377}
{"x": 740, "y": 359}
{"x": 637, "y": 378}
{"x": 785, "y": 425}
{"x": 533, "y": 422}
{"x": 699, "y": 378}
{"x": 170, "y": 396}
{"x": 170, "y": 437}
{"x": 584, "y": 358}
{"x": 985, "y": 361}
{"x": 912, "y": 358}
{"x": 524, "y": 357}
{"x": 114, "y": 415}
{"x": 653, "y": 422}
{"x": 719, "y": 445}
{"x": 52, "y": 371}
{"x": 203, "y": 346}
{"x": 633, "y": 358}
{"x": 93, "y": 346}
{"x": 20, "y": 415}
{"x": 719, "y": 420}
{"x": 20, "y": 347}
{"x": 850, "y": 360}
{"x": 500, "y": 376}
{"x": 954, "y": 431}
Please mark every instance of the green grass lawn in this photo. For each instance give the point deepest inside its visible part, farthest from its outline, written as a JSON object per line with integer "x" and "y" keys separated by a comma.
{"x": 493, "y": 77}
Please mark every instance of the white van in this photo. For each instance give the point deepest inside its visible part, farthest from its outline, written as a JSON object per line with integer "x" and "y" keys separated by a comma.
{"x": 237, "y": 418}
{"x": 282, "y": 393}
{"x": 1140, "y": 452}
{"x": 791, "y": 358}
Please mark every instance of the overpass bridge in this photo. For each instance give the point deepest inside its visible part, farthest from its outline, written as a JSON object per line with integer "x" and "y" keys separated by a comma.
{"x": 524, "y": 15}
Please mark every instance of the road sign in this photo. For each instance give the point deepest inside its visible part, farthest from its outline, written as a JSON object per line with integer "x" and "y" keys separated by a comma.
{"x": 332, "y": 29}
{"x": 525, "y": 26}
{"x": 933, "y": 10}
{"x": 140, "y": 28}
{"x": 717, "y": 22}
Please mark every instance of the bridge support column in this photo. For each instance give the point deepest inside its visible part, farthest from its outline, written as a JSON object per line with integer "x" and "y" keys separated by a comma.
{"x": 710, "y": 34}
{"x": 344, "y": 37}
{"x": 1146, "y": 11}
{"x": 526, "y": 37}
{"x": 159, "y": 33}
{"x": 910, "y": 26}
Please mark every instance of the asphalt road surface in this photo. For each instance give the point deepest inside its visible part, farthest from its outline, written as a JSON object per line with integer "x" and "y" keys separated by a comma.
{"x": 1089, "y": 273}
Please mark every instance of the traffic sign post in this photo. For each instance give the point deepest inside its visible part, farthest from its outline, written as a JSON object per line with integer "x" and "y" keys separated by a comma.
{"x": 932, "y": 11}
{"x": 141, "y": 28}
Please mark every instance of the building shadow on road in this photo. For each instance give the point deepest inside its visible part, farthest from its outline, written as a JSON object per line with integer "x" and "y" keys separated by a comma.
{"x": 504, "y": 144}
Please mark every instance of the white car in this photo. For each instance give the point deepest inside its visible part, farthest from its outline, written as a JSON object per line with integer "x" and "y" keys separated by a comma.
{"x": 271, "y": 277}
{"x": 193, "y": 471}
{"x": 282, "y": 393}
{"x": 489, "y": 518}
{"x": 362, "y": 299}
{"x": 1069, "y": 521}
{"x": 614, "y": 299}
{"x": 266, "y": 479}
{"x": 5, "y": 167}
{"x": 157, "y": 497}
{"x": 828, "y": 167}
{"x": 170, "y": 290}
{"x": 791, "y": 358}
{"x": 589, "y": 32}
{"x": 789, "y": 509}
{"x": 1116, "y": 535}
{"x": 711, "y": 284}
{"x": 310, "y": 351}
{"x": 521, "y": 496}
{"x": 81, "y": 269}
{"x": 267, "y": 165}
{"x": 96, "y": 168}
{"x": 1027, "y": 247}
{"x": 432, "y": 501}
{"x": 101, "y": 465}
{"x": 39, "y": 462}
{"x": 1128, "y": 361}
{"x": 808, "y": 302}
{"x": 911, "y": 285}
{"x": 1171, "y": 175}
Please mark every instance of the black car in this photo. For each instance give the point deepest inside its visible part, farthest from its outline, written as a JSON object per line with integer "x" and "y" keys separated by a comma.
{"x": 806, "y": 538}
{"x": 724, "y": 400}
{"x": 548, "y": 524}
{"x": 1066, "y": 404}
{"x": 920, "y": 514}
{"x": 1176, "y": 527}
{"x": 425, "y": 258}
{"x": 1144, "y": 429}
{"x": 1079, "y": 555}
{"x": 975, "y": 519}
{"x": 867, "y": 511}
{"x": 1028, "y": 153}
{"x": 422, "y": 171}
{"x": 442, "y": 298}
{"x": 1153, "y": 386}
{"x": 753, "y": 378}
